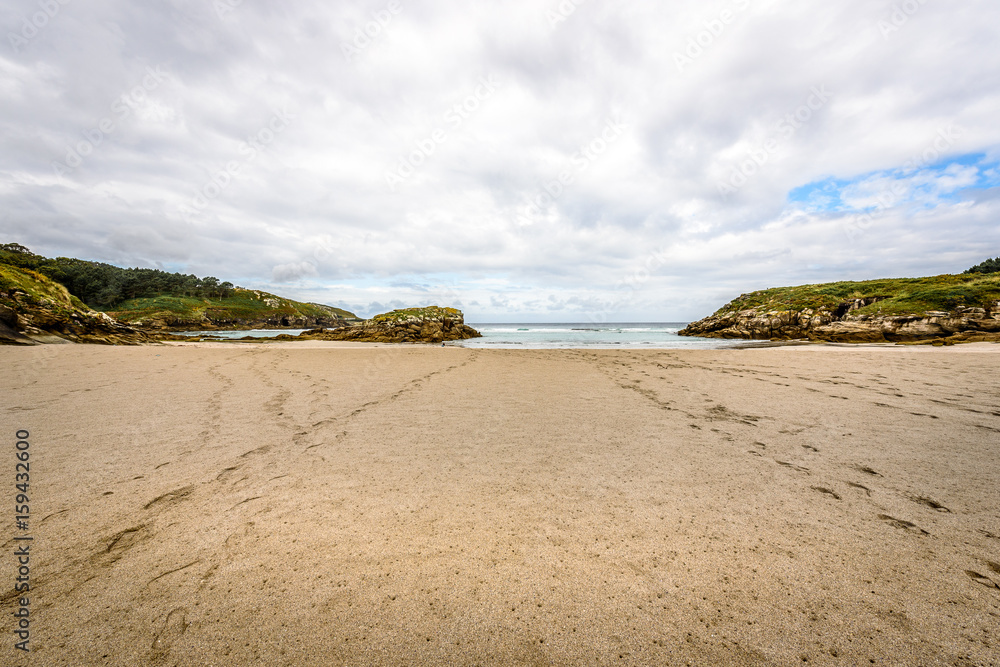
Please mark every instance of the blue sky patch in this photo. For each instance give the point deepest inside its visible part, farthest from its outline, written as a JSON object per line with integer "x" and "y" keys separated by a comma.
{"x": 926, "y": 186}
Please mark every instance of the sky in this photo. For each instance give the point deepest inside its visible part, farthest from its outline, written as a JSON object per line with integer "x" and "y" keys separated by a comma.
{"x": 526, "y": 161}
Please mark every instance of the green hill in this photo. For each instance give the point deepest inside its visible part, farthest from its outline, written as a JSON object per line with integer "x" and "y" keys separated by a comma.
{"x": 891, "y": 296}
{"x": 943, "y": 309}
{"x": 150, "y": 298}
{"x": 240, "y": 308}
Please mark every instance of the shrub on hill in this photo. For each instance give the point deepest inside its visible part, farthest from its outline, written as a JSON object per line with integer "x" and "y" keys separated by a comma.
{"x": 989, "y": 266}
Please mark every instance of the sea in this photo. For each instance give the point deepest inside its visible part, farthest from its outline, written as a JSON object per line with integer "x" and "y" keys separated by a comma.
{"x": 590, "y": 336}
{"x": 534, "y": 336}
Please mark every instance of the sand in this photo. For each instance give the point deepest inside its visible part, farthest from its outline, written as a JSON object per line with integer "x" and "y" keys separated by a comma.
{"x": 318, "y": 504}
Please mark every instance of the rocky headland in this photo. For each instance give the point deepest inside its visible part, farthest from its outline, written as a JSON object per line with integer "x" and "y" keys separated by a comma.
{"x": 939, "y": 310}
{"x": 35, "y": 309}
{"x": 432, "y": 324}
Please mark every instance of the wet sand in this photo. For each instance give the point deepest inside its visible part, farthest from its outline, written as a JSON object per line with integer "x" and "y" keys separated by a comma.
{"x": 310, "y": 504}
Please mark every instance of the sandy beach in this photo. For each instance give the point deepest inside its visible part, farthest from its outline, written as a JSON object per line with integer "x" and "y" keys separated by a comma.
{"x": 337, "y": 504}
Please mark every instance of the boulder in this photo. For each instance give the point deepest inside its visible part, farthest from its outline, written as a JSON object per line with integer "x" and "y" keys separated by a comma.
{"x": 432, "y": 324}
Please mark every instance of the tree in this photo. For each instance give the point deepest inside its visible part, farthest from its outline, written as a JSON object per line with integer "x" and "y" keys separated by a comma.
{"x": 16, "y": 247}
{"x": 989, "y": 266}
{"x": 189, "y": 285}
{"x": 211, "y": 284}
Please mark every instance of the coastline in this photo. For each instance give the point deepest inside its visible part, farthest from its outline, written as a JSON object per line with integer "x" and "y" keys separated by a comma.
{"x": 420, "y": 504}
{"x": 735, "y": 344}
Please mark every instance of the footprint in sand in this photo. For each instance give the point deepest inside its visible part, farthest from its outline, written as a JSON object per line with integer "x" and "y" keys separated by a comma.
{"x": 982, "y": 580}
{"x": 829, "y": 492}
{"x": 120, "y": 543}
{"x": 900, "y": 523}
{"x": 933, "y": 504}
{"x": 860, "y": 486}
{"x": 172, "y": 629}
{"x": 170, "y": 497}
{"x": 259, "y": 450}
{"x": 226, "y": 474}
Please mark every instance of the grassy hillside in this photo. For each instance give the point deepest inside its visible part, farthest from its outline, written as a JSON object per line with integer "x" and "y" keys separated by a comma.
{"x": 898, "y": 296}
{"x": 241, "y": 305}
{"x": 37, "y": 289}
{"x": 150, "y": 297}
{"x": 34, "y": 308}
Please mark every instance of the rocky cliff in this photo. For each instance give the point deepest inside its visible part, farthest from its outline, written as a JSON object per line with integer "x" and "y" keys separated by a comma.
{"x": 961, "y": 325}
{"x": 411, "y": 325}
{"x": 35, "y": 309}
{"x": 968, "y": 310}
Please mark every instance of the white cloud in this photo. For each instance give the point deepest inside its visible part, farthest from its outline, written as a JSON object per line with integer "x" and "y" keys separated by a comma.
{"x": 286, "y": 273}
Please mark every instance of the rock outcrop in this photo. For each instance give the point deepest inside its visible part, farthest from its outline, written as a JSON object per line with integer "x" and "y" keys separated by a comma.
{"x": 843, "y": 325}
{"x": 35, "y": 309}
{"x": 411, "y": 325}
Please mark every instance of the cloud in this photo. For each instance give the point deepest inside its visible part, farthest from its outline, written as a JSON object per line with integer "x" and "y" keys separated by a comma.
{"x": 516, "y": 200}
{"x": 286, "y": 273}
